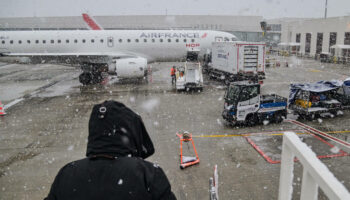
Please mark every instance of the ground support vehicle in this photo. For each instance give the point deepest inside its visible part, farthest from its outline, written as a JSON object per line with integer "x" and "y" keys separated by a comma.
{"x": 245, "y": 105}
{"x": 343, "y": 94}
{"x": 189, "y": 77}
{"x": 313, "y": 100}
{"x": 237, "y": 61}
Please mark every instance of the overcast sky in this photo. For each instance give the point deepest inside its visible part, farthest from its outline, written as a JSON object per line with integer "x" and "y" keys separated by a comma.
{"x": 266, "y": 8}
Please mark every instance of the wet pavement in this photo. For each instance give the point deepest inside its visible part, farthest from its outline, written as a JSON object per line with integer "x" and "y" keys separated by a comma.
{"x": 49, "y": 128}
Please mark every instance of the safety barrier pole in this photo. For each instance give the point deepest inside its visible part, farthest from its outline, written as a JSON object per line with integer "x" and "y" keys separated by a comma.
{"x": 315, "y": 173}
{"x": 213, "y": 185}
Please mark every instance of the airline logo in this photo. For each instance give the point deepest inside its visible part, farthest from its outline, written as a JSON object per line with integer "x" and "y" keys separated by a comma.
{"x": 193, "y": 45}
{"x": 204, "y": 35}
{"x": 169, "y": 35}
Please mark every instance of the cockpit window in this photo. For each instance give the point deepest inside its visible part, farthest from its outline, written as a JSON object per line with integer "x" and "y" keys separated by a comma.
{"x": 226, "y": 39}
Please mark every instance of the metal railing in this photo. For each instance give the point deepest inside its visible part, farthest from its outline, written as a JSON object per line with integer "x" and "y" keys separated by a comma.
{"x": 315, "y": 173}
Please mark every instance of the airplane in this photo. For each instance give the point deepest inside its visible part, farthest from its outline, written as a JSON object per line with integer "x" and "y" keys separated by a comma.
{"x": 125, "y": 53}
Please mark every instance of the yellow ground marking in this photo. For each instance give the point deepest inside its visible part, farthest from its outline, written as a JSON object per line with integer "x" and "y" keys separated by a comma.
{"x": 250, "y": 134}
{"x": 315, "y": 70}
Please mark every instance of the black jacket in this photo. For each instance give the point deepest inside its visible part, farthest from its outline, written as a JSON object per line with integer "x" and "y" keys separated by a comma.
{"x": 114, "y": 168}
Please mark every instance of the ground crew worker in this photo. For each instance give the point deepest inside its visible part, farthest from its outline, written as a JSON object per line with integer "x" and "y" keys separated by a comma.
{"x": 114, "y": 167}
{"x": 173, "y": 75}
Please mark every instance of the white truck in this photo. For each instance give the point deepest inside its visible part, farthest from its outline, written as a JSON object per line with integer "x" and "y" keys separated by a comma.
{"x": 237, "y": 61}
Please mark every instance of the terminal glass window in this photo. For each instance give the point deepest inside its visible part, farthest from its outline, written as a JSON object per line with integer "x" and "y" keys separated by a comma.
{"x": 297, "y": 38}
{"x": 332, "y": 39}
{"x": 347, "y": 38}
{"x": 307, "y": 43}
{"x": 319, "y": 43}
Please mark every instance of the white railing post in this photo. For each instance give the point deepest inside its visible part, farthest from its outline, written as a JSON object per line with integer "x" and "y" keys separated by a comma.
{"x": 286, "y": 174}
{"x": 309, "y": 187}
{"x": 315, "y": 173}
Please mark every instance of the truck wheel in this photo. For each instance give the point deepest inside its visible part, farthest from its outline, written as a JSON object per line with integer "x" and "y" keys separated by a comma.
{"x": 278, "y": 118}
{"x": 310, "y": 117}
{"x": 251, "y": 120}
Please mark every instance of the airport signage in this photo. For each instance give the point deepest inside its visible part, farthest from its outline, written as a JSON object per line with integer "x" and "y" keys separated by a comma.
{"x": 169, "y": 35}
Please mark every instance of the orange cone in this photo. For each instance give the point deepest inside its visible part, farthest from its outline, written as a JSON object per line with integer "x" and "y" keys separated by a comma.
{"x": 2, "y": 112}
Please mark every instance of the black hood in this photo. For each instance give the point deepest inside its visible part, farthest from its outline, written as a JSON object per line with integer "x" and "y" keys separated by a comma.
{"x": 116, "y": 130}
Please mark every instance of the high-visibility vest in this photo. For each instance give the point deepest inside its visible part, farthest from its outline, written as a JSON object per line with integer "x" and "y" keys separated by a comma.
{"x": 172, "y": 71}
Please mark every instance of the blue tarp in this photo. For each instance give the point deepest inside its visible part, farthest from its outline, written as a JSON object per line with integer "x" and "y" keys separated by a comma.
{"x": 319, "y": 87}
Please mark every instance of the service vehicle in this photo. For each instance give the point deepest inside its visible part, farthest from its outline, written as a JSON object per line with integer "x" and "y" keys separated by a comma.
{"x": 314, "y": 100}
{"x": 237, "y": 61}
{"x": 189, "y": 77}
{"x": 244, "y": 104}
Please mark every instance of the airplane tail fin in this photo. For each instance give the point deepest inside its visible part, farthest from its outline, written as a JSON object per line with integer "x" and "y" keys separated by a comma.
{"x": 92, "y": 24}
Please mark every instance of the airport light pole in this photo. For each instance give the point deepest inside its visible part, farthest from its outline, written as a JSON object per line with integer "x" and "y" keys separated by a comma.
{"x": 325, "y": 10}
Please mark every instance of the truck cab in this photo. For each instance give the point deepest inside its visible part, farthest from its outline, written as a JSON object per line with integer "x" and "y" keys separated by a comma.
{"x": 245, "y": 104}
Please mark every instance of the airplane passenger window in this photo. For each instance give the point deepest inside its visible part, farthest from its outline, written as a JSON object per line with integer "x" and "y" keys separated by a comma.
{"x": 19, "y": 42}
{"x": 92, "y": 40}
{"x": 136, "y": 40}
{"x": 160, "y": 40}
{"x": 169, "y": 40}
{"x": 192, "y": 40}
{"x": 185, "y": 40}
{"x": 144, "y": 40}
{"x": 153, "y": 40}
{"x": 11, "y": 41}
{"x": 52, "y": 41}
{"x": 67, "y": 41}
{"x": 120, "y": 40}
{"x": 3, "y": 41}
{"x": 37, "y": 41}
{"x": 83, "y": 40}
{"x": 28, "y": 41}
{"x": 101, "y": 40}
{"x": 177, "y": 40}
{"x": 110, "y": 40}
{"x": 129, "y": 40}
{"x": 44, "y": 41}
{"x": 75, "y": 41}
{"x": 58, "y": 41}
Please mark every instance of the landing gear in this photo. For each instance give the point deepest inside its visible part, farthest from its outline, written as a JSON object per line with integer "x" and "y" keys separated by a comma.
{"x": 92, "y": 74}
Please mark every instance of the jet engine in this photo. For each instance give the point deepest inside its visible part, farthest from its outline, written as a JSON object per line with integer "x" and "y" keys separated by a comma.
{"x": 128, "y": 67}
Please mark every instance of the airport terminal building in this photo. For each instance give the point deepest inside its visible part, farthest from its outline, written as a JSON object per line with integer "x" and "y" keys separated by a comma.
{"x": 316, "y": 36}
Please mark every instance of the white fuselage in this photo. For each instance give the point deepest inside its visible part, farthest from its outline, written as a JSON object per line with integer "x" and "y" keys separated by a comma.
{"x": 154, "y": 45}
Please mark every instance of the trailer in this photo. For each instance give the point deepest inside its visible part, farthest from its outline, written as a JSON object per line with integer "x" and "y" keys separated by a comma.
{"x": 189, "y": 77}
{"x": 245, "y": 105}
{"x": 237, "y": 61}
{"x": 314, "y": 100}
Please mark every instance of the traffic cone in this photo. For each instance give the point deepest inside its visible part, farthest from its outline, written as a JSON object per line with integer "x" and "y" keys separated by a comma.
{"x": 2, "y": 112}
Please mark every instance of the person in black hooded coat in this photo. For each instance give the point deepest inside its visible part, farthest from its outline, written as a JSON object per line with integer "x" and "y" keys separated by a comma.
{"x": 115, "y": 167}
